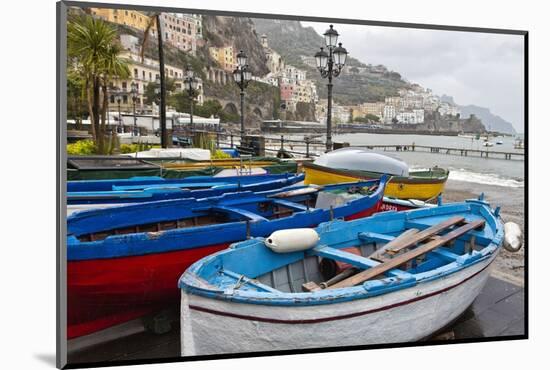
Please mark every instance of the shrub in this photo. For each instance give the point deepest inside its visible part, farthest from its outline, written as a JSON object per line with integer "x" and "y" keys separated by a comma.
{"x": 137, "y": 147}
{"x": 219, "y": 154}
{"x": 81, "y": 147}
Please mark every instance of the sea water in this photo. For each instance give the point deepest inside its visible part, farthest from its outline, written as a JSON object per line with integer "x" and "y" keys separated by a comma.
{"x": 473, "y": 168}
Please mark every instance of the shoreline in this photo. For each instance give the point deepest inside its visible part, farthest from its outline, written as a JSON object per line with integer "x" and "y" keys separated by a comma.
{"x": 507, "y": 266}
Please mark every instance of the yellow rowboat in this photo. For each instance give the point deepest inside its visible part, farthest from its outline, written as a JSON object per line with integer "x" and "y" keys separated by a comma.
{"x": 421, "y": 185}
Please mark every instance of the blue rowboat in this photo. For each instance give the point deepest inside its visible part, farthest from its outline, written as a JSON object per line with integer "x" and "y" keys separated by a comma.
{"x": 124, "y": 261}
{"x": 391, "y": 278}
{"x": 148, "y": 189}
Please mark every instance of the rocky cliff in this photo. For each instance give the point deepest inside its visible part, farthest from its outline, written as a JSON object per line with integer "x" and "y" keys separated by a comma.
{"x": 354, "y": 86}
{"x": 239, "y": 32}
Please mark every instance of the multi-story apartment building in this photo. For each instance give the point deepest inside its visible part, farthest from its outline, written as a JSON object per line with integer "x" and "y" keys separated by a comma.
{"x": 447, "y": 109}
{"x": 419, "y": 115}
{"x": 181, "y": 30}
{"x": 225, "y": 56}
{"x": 130, "y": 43}
{"x": 302, "y": 93}
{"x": 389, "y": 113}
{"x": 287, "y": 91}
{"x": 274, "y": 61}
{"x": 376, "y": 108}
{"x": 415, "y": 116}
{"x": 406, "y": 117}
{"x": 126, "y": 17}
{"x": 295, "y": 73}
{"x": 394, "y": 101}
{"x": 310, "y": 61}
{"x": 141, "y": 74}
{"x": 341, "y": 114}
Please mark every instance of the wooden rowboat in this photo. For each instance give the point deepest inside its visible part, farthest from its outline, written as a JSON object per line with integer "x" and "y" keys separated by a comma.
{"x": 124, "y": 262}
{"x": 403, "y": 276}
{"x": 97, "y": 193}
{"x": 353, "y": 164}
{"x": 120, "y": 167}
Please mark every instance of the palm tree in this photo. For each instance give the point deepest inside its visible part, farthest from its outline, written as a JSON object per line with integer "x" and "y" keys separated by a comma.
{"x": 94, "y": 55}
{"x": 113, "y": 67}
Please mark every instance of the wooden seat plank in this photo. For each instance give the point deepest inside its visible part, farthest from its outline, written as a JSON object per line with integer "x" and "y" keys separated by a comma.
{"x": 406, "y": 257}
{"x": 425, "y": 234}
{"x": 377, "y": 255}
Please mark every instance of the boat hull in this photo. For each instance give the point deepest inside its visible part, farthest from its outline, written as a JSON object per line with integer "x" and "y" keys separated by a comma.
{"x": 103, "y": 292}
{"x": 397, "y": 187}
{"x": 403, "y": 316}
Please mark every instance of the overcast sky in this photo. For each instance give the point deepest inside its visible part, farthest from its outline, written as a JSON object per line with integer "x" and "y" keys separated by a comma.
{"x": 474, "y": 68}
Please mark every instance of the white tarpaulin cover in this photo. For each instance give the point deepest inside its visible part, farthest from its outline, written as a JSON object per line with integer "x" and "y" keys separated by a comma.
{"x": 359, "y": 159}
{"x": 184, "y": 153}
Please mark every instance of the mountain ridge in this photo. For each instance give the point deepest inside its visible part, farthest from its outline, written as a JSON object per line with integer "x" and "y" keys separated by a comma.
{"x": 491, "y": 121}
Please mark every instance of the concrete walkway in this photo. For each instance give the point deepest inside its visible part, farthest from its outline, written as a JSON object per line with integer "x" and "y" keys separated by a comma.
{"x": 498, "y": 311}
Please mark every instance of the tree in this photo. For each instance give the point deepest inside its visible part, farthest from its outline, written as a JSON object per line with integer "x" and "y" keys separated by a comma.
{"x": 151, "y": 96}
{"x": 94, "y": 59}
{"x": 76, "y": 99}
{"x": 372, "y": 117}
{"x": 368, "y": 118}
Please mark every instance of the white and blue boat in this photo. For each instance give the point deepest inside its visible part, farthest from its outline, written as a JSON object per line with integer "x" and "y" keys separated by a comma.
{"x": 390, "y": 278}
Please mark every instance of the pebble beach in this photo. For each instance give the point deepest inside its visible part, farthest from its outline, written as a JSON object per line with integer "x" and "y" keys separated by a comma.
{"x": 508, "y": 266}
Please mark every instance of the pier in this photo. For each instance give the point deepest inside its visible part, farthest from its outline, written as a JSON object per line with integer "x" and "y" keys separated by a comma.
{"x": 451, "y": 151}
{"x": 312, "y": 147}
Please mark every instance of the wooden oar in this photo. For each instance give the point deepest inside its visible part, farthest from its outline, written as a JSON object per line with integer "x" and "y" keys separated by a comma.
{"x": 405, "y": 257}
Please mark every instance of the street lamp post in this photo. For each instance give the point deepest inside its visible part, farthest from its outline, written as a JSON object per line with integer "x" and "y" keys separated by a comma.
{"x": 120, "y": 125}
{"x": 134, "y": 100}
{"x": 190, "y": 84}
{"x": 158, "y": 101}
{"x": 242, "y": 76}
{"x": 117, "y": 94}
{"x": 330, "y": 65}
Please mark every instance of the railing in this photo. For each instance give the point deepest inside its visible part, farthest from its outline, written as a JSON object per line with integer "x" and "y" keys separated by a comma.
{"x": 227, "y": 140}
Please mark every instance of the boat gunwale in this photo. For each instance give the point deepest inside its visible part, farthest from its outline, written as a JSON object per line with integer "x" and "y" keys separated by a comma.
{"x": 83, "y": 250}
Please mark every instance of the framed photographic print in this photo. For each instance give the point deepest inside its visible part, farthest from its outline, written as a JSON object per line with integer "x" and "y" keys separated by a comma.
{"x": 240, "y": 184}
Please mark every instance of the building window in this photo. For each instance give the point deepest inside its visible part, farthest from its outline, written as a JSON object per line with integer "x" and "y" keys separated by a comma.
{"x": 125, "y": 99}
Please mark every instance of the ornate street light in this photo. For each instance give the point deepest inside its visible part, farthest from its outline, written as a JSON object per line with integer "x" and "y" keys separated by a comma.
{"x": 116, "y": 92}
{"x": 134, "y": 93}
{"x": 190, "y": 84}
{"x": 242, "y": 76}
{"x": 330, "y": 65}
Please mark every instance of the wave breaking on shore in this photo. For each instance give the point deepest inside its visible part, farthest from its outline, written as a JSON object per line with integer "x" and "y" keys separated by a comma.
{"x": 484, "y": 178}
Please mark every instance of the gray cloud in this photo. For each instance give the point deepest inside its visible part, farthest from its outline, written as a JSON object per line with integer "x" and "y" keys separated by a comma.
{"x": 475, "y": 68}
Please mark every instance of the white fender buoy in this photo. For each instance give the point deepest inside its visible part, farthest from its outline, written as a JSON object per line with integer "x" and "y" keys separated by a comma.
{"x": 513, "y": 237}
{"x": 292, "y": 240}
